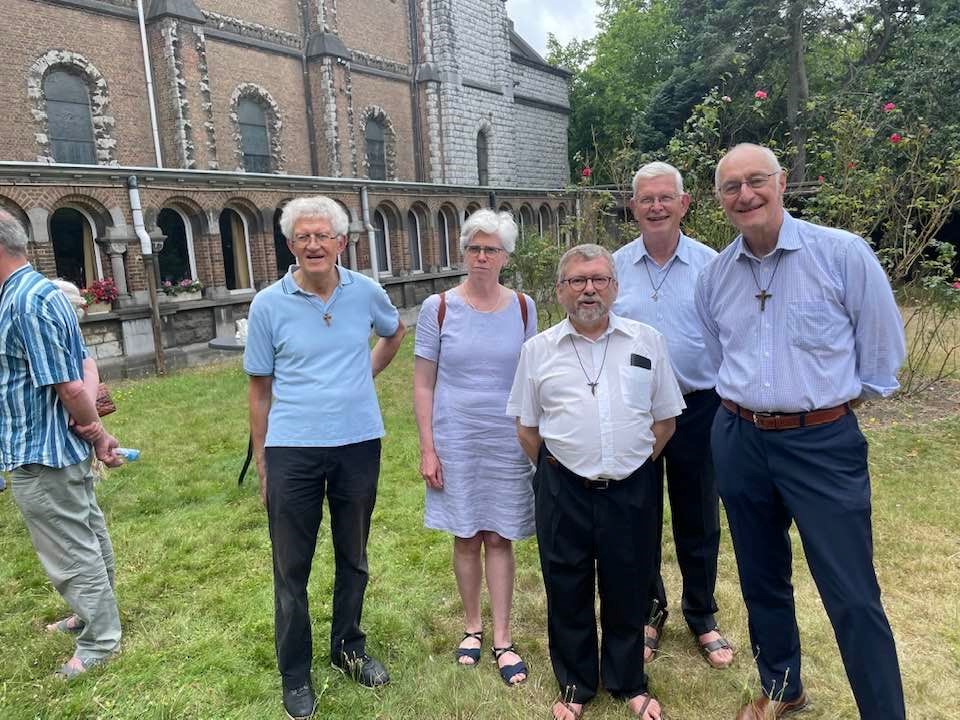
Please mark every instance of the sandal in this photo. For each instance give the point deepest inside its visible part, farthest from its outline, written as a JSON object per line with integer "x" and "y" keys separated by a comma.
{"x": 507, "y": 672}
{"x": 646, "y": 703}
{"x": 577, "y": 714}
{"x": 712, "y": 646}
{"x": 657, "y": 620}
{"x": 472, "y": 653}
{"x": 71, "y": 624}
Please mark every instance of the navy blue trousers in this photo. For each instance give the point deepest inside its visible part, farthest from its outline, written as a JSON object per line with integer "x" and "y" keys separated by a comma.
{"x": 694, "y": 510}
{"x": 818, "y": 478}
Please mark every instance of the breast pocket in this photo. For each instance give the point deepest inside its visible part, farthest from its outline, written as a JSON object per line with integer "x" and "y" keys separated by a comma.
{"x": 810, "y": 325}
{"x": 635, "y": 387}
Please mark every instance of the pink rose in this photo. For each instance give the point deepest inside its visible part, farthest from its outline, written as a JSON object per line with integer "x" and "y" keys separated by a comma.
{"x": 895, "y": 138}
{"x": 726, "y": 99}
{"x": 851, "y": 165}
{"x": 821, "y": 179}
{"x": 889, "y": 107}
{"x": 956, "y": 285}
{"x": 586, "y": 172}
{"x": 760, "y": 95}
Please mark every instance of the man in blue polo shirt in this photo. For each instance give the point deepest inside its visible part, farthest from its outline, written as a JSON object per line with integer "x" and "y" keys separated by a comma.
{"x": 41, "y": 389}
{"x": 316, "y": 427}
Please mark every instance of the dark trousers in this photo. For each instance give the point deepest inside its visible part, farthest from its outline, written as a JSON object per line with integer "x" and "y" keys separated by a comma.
{"x": 595, "y": 538}
{"x": 297, "y": 480}
{"x": 694, "y": 511}
{"x": 818, "y": 478}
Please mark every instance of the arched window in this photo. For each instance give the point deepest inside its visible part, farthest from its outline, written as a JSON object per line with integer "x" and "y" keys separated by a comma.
{"x": 176, "y": 259}
{"x": 69, "y": 121}
{"x": 374, "y": 137}
{"x": 413, "y": 241}
{"x": 381, "y": 230}
{"x": 543, "y": 220}
{"x": 74, "y": 250}
{"x": 526, "y": 220}
{"x": 483, "y": 163}
{"x": 444, "y": 230}
{"x": 236, "y": 258}
{"x": 254, "y": 137}
{"x": 563, "y": 232}
{"x": 285, "y": 258}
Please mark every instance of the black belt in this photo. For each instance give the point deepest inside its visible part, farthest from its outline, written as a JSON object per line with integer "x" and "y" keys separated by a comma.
{"x": 589, "y": 483}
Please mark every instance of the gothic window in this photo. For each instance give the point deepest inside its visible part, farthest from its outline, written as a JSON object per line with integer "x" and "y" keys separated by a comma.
{"x": 413, "y": 241}
{"x": 176, "y": 260}
{"x": 74, "y": 250}
{"x": 381, "y": 230}
{"x": 483, "y": 172}
{"x": 254, "y": 137}
{"x": 69, "y": 121}
{"x": 444, "y": 228}
{"x": 374, "y": 137}
{"x": 236, "y": 258}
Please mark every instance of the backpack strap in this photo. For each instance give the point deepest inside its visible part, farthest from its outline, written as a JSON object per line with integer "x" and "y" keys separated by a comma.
{"x": 523, "y": 309}
{"x": 442, "y": 312}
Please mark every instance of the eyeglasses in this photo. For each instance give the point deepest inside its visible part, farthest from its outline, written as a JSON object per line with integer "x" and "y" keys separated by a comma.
{"x": 646, "y": 201}
{"x": 600, "y": 282}
{"x": 475, "y": 250}
{"x": 306, "y": 238}
{"x": 732, "y": 188}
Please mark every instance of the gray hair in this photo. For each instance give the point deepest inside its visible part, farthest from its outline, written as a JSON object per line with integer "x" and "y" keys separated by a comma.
{"x": 587, "y": 251}
{"x": 72, "y": 293}
{"x": 768, "y": 154}
{"x": 655, "y": 170}
{"x": 13, "y": 238}
{"x": 318, "y": 207}
{"x": 490, "y": 222}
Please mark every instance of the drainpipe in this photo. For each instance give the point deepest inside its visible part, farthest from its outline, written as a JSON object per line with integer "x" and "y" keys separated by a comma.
{"x": 151, "y": 103}
{"x": 149, "y": 269}
{"x": 371, "y": 234}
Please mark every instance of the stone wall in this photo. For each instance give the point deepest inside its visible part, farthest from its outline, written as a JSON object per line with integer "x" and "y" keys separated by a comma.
{"x": 538, "y": 136}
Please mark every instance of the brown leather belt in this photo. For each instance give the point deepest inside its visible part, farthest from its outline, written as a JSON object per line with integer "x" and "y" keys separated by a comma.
{"x": 787, "y": 421}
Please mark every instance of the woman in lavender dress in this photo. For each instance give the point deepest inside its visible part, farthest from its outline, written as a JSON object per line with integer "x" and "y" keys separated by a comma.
{"x": 478, "y": 479}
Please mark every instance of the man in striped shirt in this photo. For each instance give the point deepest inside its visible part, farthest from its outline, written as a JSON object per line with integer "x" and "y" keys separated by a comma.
{"x": 41, "y": 389}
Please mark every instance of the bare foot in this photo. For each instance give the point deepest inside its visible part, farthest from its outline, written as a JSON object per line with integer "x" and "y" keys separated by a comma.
{"x": 644, "y": 707}
{"x": 720, "y": 658}
{"x": 653, "y": 637}
{"x": 567, "y": 711}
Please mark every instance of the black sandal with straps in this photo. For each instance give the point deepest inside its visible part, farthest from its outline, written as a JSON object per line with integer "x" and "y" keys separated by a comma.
{"x": 472, "y": 653}
{"x": 507, "y": 672}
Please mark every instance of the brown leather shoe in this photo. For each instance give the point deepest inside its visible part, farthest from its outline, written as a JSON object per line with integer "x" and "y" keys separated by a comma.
{"x": 764, "y": 708}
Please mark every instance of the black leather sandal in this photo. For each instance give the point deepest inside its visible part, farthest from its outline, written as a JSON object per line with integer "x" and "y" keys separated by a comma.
{"x": 472, "y": 653}
{"x": 508, "y": 671}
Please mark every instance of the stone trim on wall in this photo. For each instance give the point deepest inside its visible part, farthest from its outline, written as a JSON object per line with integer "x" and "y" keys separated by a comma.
{"x": 103, "y": 121}
{"x": 330, "y": 133}
{"x": 274, "y": 124}
{"x": 382, "y": 63}
{"x": 207, "y": 104}
{"x": 256, "y": 31}
{"x": 186, "y": 150}
{"x": 389, "y": 141}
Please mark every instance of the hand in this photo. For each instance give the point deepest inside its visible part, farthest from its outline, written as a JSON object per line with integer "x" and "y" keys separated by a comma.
{"x": 105, "y": 449}
{"x": 262, "y": 475}
{"x": 430, "y": 469}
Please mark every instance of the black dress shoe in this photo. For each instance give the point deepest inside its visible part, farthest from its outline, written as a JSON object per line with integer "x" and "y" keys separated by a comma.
{"x": 299, "y": 702}
{"x": 366, "y": 670}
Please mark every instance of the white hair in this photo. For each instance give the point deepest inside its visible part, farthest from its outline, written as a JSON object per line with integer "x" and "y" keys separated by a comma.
{"x": 767, "y": 153}
{"x": 587, "y": 251}
{"x": 318, "y": 207}
{"x": 490, "y": 222}
{"x": 655, "y": 170}
{"x": 72, "y": 293}
{"x": 13, "y": 238}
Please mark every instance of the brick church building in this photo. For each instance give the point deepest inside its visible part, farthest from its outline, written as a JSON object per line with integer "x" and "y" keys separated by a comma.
{"x": 411, "y": 113}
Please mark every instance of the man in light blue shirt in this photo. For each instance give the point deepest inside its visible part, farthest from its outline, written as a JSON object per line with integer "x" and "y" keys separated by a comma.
{"x": 658, "y": 273}
{"x": 315, "y": 426}
{"x": 801, "y": 323}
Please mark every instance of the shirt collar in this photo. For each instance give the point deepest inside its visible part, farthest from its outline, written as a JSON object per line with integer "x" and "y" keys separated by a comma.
{"x": 616, "y": 324}
{"x": 682, "y": 253}
{"x": 290, "y": 286}
{"x": 788, "y": 239}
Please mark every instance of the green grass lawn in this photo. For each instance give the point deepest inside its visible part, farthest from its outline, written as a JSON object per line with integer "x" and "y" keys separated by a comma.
{"x": 195, "y": 587}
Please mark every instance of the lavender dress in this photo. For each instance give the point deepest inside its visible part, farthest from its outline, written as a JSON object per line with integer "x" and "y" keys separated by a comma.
{"x": 486, "y": 476}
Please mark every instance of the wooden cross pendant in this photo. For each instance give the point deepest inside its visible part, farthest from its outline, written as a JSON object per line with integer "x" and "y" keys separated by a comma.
{"x": 327, "y": 317}
{"x": 762, "y": 297}
{"x": 593, "y": 387}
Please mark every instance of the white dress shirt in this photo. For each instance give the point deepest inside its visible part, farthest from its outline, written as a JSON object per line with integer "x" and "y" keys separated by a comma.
{"x": 608, "y": 434}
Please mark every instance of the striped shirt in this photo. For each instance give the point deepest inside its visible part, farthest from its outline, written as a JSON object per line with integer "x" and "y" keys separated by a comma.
{"x": 40, "y": 346}
{"x": 830, "y": 330}
{"x": 673, "y": 312}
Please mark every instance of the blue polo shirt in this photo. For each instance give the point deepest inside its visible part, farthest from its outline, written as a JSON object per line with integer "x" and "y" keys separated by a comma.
{"x": 323, "y": 392}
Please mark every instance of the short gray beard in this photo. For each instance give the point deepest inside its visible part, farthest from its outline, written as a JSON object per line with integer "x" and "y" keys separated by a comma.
{"x": 587, "y": 315}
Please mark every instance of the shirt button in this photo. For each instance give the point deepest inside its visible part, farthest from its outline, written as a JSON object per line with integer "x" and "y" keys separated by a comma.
{"x": 766, "y": 354}
{"x": 766, "y": 384}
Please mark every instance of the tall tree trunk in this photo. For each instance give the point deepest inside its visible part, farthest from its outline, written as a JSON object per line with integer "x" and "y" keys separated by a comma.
{"x": 798, "y": 89}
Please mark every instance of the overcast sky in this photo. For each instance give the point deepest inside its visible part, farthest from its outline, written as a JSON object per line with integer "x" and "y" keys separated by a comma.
{"x": 566, "y": 19}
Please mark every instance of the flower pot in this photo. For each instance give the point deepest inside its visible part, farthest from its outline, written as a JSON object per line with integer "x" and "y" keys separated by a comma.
{"x": 186, "y": 297}
{"x": 99, "y": 308}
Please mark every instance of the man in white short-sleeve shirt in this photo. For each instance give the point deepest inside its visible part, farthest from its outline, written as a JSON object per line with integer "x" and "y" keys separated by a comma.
{"x": 595, "y": 399}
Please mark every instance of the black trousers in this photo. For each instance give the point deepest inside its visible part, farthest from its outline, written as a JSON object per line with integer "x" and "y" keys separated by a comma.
{"x": 595, "y": 538}
{"x": 818, "y": 478}
{"x": 298, "y": 478}
{"x": 695, "y": 512}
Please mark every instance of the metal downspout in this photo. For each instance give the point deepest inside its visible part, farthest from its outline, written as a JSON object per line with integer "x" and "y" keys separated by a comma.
{"x": 149, "y": 268}
{"x": 371, "y": 234}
